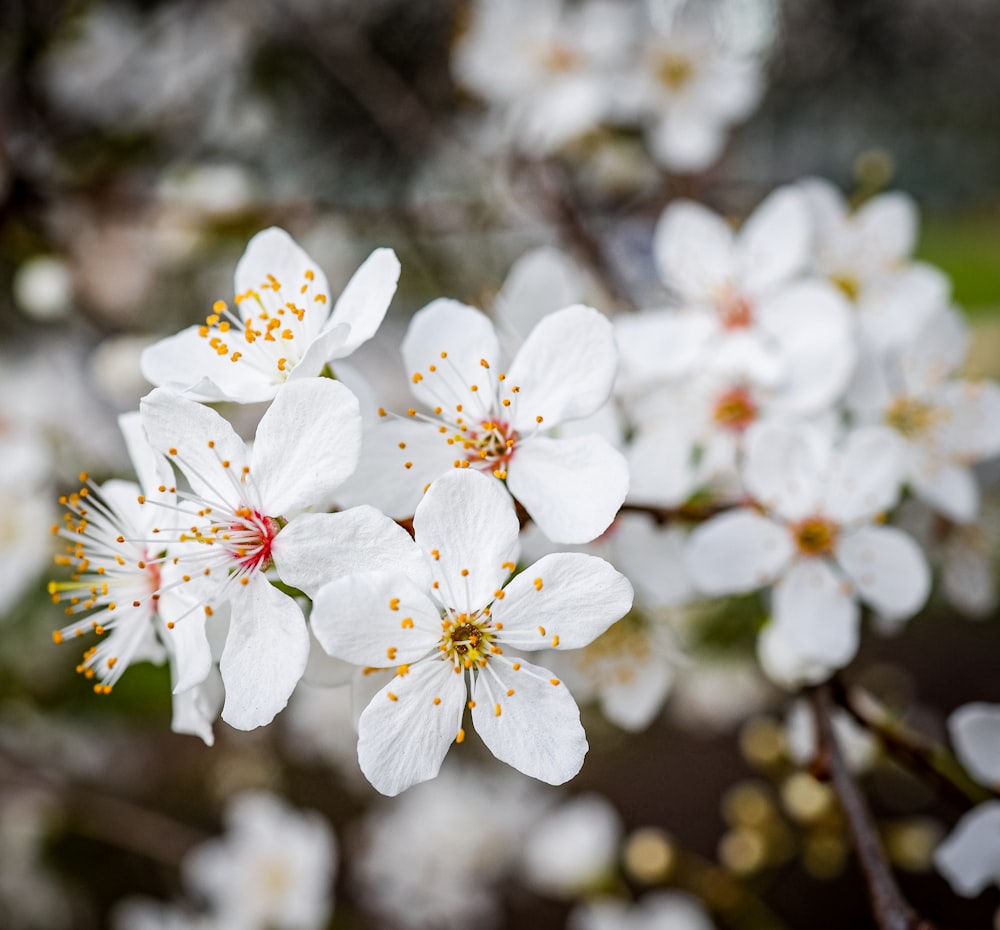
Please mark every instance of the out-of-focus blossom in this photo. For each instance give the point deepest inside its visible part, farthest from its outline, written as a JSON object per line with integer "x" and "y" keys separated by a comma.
{"x": 573, "y": 848}
{"x": 549, "y": 67}
{"x": 273, "y": 869}
{"x": 283, "y": 329}
{"x": 812, "y": 535}
{"x": 688, "y": 84}
{"x": 969, "y": 858}
{"x": 658, "y": 910}
{"x": 943, "y": 424}
{"x": 866, "y": 253}
{"x": 446, "y": 627}
{"x": 420, "y": 868}
{"x": 503, "y": 421}
{"x": 859, "y": 747}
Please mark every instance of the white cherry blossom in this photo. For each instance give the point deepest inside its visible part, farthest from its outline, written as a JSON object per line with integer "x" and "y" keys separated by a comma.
{"x": 812, "y": 535}
{"x": 245, "y": 513}
{"x": 446, "y": 628}
{"x": 282, "y": 329}
{"x": 657, "y": 910}
{"x": 504, "y": 421}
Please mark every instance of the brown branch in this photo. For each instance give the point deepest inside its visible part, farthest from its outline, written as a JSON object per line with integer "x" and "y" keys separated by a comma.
{"x": 891, "y": 909}
{"x": 920, "y": 755}
{"x": 551, "y": 188}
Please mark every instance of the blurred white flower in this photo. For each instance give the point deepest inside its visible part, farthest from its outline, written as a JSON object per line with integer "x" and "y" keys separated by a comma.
{"x": 273, "y": 869}
{"x": 573, "y": 848}
{"x": 859, "y": 747}
{"x": 419, "y": 867}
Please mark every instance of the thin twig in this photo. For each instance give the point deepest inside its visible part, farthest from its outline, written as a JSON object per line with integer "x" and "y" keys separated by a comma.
{"x": 891, "y": 909}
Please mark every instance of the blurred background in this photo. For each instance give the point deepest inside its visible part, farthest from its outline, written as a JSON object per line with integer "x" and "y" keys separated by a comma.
{"x": 143, "y": 143}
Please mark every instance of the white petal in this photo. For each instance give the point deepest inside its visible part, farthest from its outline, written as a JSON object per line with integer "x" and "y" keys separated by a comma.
{"x": 655, "y": 346}
{"x": 273, "y": 252}
{"x": 693, "y": 248}
{"x": 403, "y": 739}
{"x": 151, "y": 468}
{"x": 307, "y": 443}
{"x": 264, "y": 656}
{"x": 949, "y": 489}
{"x": 562, "y": 601}
{"x": 970, "y": 857}
{"x": 185, "y": 362}
{"x": 814, "y": 609}
{"x": 653, "y": 557}
{"x": 972, "y": 430}
{"x": 191, "y": 654}
{"x": 783, "y": 469}
{"x": 936, "y": 352}
{"x": 565, "y": 368}
{"x": 975, "y": 733}
{"x": 888, "y": 568}
{"x": 537, "y": 729}
{"x": 379, "y": 619}
{"x": 316, "y": 548}
{"x": 175, "y": 423}
{"x": 467, "y": 338}
{"x": 196, "y": 709}
{"x": 783, "y": 664}
{"x": 541, "y": 281}
{"x": 865, "y": 475}
{"x": 662, "y": 466}
{"x": 467, "y": 527}
{"x": 572, "y": 487}
{"x": 686, "y": 142}
{"x": 363, "y": 303}
{"x": 737, "y": 551}
{"x": 632, "y": 701}
{"x": 775, "y": 241}
{"x": 887, "y": 228}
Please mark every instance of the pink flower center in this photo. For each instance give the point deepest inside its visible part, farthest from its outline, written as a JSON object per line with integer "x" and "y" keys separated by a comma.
{"x": 735, "y": 311}
{"x": 735, "y": 409}
{"x": 816, "y": 536}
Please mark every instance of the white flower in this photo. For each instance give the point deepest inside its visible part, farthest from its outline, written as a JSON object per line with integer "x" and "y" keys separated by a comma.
{"x": 689, "y": 86}
{"x": 418, "y": 868}
{"x": 757, "y": 317}
{"x": 272, "y": 870}
{"x": 573, "y": 848}
{"x": 550, "y": 68}
{"x": 283, "y": 328}
{"x": 446, "y": 629}
{"x": 504, "y": 421}
{"x": 943, "y": 424}
{"x": 813, "y": 536}
{"x": 970, "y": 857}
{"x": 658, "y": 910}
{"x": 859, "y": 747}
{"x": 245, "y": 512}
{"x": 866, "y": 254}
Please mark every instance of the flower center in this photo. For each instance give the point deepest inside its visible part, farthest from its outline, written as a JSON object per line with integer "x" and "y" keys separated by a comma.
{"x": 247, "y": 538}
{"x": 674, "y": 71}
{"x": 273, "y": 328}
{"x": 911, "y": 417}
{"x": 491, "y": 448}
{"x": 735, "y": 409}
{"x": 466, "y": 639}
{"x": 559, "y": 58}
{"x": 735, "y": 311}
{"x": 816, "y": 536}
{"x": 848, "y": 285}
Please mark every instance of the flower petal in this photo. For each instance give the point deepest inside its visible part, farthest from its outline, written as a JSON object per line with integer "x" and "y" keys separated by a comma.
{"x": 465, "y": 337}
{"x": 865, "y": 475}
{"x": 975, "y": 733}
{"x": 467, "y": 527}
{"x": 565, "y": 368}
{"x": 540, "y": 282}
{"x": 888, "y": 568}
{"x": 316, "y": 548}
{"x": 782, "y": 469}
{"x": 774, "y": 243}
{"x": 693, "y": 248}
{"x": 738, "y": 551}
{"x": 265, "y": 654}
{"x": 529, "y": 720}
{"x": 572, "y": 487}
{"x": 406, "y": 731}
{"x": 562, "y": 601}
{"x": 378, "y": 619}
{"x": 970, "y": 857}
{"x": 201, "y": 441}
{"x": 949, "y": 489}
{"x": 363, "y": 303}
{"x": 273, "y": 252}
{"x": 307, "y": 443}
{"x": 815, "y": 611}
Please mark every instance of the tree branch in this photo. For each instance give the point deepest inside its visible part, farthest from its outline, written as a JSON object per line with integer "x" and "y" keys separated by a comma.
{"x": 891, "y": 910}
